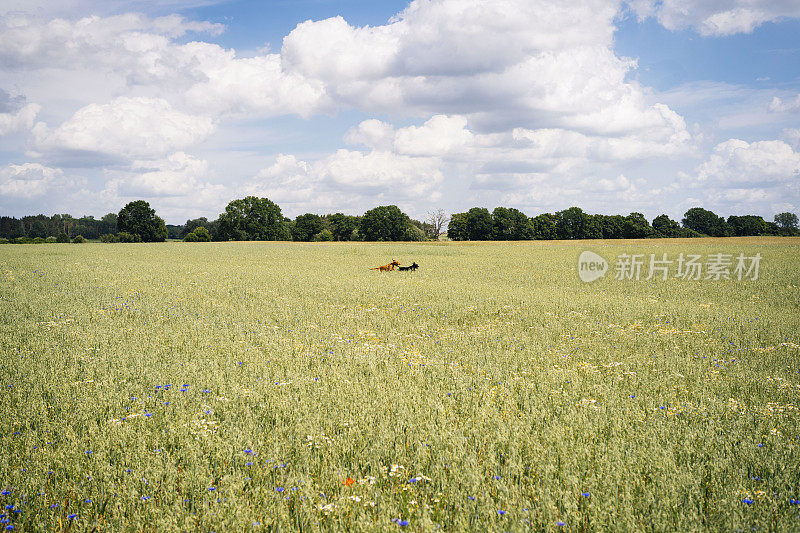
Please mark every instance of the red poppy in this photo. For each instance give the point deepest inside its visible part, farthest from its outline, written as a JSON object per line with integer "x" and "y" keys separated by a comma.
{"x": 349, "y": 481}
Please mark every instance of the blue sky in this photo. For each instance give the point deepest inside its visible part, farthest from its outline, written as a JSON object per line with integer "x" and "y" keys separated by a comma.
{"x": 340, "y": 106}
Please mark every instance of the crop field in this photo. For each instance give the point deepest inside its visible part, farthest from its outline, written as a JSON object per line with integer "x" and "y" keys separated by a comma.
{"x": 266, "y": 386}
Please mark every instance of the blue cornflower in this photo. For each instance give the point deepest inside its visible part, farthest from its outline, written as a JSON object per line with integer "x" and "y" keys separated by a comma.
{"x": 794, "y": 502}
{"x": 72, "y": 516}
{"x": 148, "y": 415}
{"x": 205, "y": 391}
{"x": 212, "y": 488}
{"x": 471, "y": 498}
{"x": 495, "y": 477}
{"x": 748, "y": 501}
{"x": 586, "y": 494}
{"x": 560, "y": 524}
{"x": 5, "y": 492}
{"x": 501, "y": 512}
{"x": 87, "y": 501}
{"x": 248, "y": 450}
{"x": 402, "y": 522}
{"x": 279, "y": 489}
{"x": 11, "y": 506}
{"x": 9, "y": 527}
{"x": 760, "y": 445}
{"x": 412, "y": 480}
{"x": 53, "y": 505}
{"x": 248, "y": 464}
{"x": 145, "y": 498}
{"x": 662, "y": 407}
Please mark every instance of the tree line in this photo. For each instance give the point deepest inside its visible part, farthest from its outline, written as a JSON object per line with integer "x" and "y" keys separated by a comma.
{"x": 511, "y": 224}
{"x": 254, "y": 218}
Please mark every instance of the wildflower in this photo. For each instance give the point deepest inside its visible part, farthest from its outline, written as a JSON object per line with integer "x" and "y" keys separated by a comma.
{"x": 495, "y": 477}
{"x": 87, "y": 501}
{"x": 72, "y": 516}
{"x": 5, "y": 492}
{"x": 349, "y": 481}
{"x": 53, "y": 505}
{"x": 145, "y": 498}
{"x": 560, "y": 524}
{"x": 794, "y": 502}
{"x": 248, "y": 464}
{"x": 747, "y": 501}
{"x": 471, "y": 498}
{"x": 279, "y": 489}
{"x": 212, "y": 488}
{"x": 501, "y": 512}
{"x": 586, "y": 494}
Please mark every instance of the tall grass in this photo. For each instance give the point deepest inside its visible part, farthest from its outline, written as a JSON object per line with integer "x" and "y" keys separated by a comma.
{"x": 257, "y": 386}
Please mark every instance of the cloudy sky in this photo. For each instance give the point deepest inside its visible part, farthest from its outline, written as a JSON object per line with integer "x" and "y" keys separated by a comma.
{"x": 342, "y": 105}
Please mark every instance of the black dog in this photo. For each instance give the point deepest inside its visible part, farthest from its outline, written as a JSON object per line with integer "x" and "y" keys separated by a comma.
{"x": 411, "y": 267}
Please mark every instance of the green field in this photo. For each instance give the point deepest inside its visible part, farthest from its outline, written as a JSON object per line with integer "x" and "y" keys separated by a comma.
{"x": 260, "y": 386}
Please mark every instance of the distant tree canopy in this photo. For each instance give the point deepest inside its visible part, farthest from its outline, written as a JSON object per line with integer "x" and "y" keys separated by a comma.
{"x": 343, "y": 227}
{"x": 786, "y": 220}
{"x": 509, "y": 224}
{"x": 306, "y": 227}
{"x": 252, "y": 219}
{"x": 385, "y": 223}
{"x": 706, "y": 222}
{"x": 137, "y": 218}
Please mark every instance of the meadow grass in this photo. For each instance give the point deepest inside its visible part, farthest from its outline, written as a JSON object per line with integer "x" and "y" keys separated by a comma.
{"x": 266, "y": 386}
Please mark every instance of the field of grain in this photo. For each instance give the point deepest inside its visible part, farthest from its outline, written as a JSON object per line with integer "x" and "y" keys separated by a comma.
{"x": 260, "y": 386}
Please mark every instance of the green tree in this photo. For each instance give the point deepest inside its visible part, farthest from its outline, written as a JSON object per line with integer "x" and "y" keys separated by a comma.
{"x": 786, "y": 220}
{"x": 747, "y": 225}
{"x": 137, "y": 218}
{"x": 108, "y": 224}
{"x": 509, "y": 224}
{"x": 571, "y": 223}
{"x": 479, "y": 225}
{"x": 457, "y": 227}
{"x": 666, "y": 227}
{"x": 636, "y": 226}
{"x": 200, "y": 234}
{"x": 612, "y": 226}
{"x": 384, "y": 223}
{"x": 544, "y": 227}
{"x": 593, "y": 229}
{"x": 706, "y": 222}
{"x": 306, "y": 226}
{"x": 252, "y": 219}
{"x": 343, "y": 227}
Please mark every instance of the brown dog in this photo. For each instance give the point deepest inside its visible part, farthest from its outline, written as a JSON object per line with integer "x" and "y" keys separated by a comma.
{"x": 386, "y": 268}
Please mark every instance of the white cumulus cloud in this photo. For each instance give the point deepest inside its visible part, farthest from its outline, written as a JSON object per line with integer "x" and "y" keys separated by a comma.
{"x": 136, "y": 127}
{"x": 739, "y": 162}
{"x": 716, "y": 17}
{"x": 29, "y": 180}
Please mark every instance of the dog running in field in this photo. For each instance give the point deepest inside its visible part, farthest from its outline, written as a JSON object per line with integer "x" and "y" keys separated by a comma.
{"x": 386, "y": 268}
{"x": 412, "y": 267}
